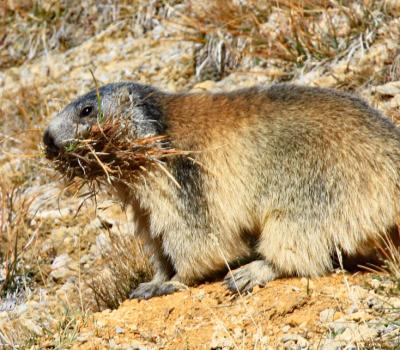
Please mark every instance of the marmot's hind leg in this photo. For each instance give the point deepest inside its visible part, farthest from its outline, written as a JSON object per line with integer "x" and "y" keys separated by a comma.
{"x": 245, "y": 278}
{"x": 290, "y": 246}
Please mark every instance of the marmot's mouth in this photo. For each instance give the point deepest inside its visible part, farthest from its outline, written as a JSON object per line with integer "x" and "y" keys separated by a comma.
{"x": 109, "y": 153}
{"x": 51, "y": 149}
{"x": 51, "y": 153}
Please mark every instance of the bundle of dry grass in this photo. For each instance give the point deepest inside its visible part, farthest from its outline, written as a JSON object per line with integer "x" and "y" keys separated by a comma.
{"x": 111, "y": 154}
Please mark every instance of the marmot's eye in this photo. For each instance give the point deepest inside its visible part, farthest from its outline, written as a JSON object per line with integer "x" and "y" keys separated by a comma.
{"x": 86, "y": 111}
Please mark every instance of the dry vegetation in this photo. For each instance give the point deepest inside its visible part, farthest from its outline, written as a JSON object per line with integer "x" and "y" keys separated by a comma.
{"x": 288, "y": 33}
{"x": 31, "y": 28}
{"x": 124, "y": 265}
{"x": 285, "y": 38}
{"x": 14, "y": 238}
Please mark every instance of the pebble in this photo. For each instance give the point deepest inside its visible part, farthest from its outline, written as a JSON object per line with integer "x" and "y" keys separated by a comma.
{"x": 356, "y": 333}
{"x": 119, "y": 330}
{"x": 331, "y": 344}
{"x": 326, "y": 315}
{"x": 295, "y": 339}
{"x": 31, "y": 326}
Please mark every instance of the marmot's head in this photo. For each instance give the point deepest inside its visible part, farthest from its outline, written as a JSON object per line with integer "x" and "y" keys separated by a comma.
{"x": 137, "y": 103}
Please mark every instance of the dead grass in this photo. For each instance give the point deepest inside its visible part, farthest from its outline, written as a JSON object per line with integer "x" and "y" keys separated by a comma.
{"x": 392, "y": 71}
{"x": 38, "y": 335}
{"x": 389, "y": 290}
{"x": 290, "y": 32}
{"x": 15, "y": 238}
{"x": 24, "y": 112}
{"x": 31, "y": 28}
{"x": 124, "y": 265}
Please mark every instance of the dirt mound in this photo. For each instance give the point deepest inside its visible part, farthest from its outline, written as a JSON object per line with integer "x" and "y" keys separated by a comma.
{"x": 287, "y": 312}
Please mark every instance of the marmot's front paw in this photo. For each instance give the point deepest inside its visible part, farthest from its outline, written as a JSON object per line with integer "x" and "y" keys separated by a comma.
{"x": 148, "y": 290}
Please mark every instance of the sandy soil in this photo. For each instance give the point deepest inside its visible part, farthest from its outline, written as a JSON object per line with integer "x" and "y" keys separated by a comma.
{"x": 208, "y": 317}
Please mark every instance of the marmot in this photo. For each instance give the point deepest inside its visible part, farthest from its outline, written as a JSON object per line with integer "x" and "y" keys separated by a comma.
{"x": 280, "y": 179}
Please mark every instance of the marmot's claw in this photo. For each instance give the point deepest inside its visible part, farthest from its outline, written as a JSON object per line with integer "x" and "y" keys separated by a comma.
{"x": 238, "y": 282}
{"x": 245, "y": 278}
{"x": 148, "y": 290}
{"x": 144, "y": 291}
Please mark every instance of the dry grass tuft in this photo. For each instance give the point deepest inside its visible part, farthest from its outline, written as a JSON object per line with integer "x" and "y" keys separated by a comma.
{"x": 111, "y": 154}
{"x": 31, "y": 28}
{"x": 124, "y": 267}
{"x": 293, "y": 32}
{"x": 24, "y": 112}
{"x": 15, "y": 222}
{"x": 391, "y": 254}
{"x": 389, "y": 290}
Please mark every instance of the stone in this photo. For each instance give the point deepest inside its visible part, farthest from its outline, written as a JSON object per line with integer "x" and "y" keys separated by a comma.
{"x": 62, "y": 267}
{"x": 331, "y": 344}
{"x": 31, "y": 326}
{"x": 355, "y": 333}
{"x": 326, "y": 315}
{"x": 119, "y": 330}
{"x": 296, "y": 339}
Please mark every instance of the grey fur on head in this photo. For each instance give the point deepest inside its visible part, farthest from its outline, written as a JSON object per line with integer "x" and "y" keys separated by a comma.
{"x": 132, "y": 102}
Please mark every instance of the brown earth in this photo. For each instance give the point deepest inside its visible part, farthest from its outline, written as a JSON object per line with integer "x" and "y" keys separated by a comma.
{"x": 207, "y": 317}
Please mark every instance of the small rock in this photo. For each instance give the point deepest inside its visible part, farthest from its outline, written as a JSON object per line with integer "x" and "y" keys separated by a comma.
{"x": 356, "y": 333}
{"x": 286, "y": 328}
{"x": 103, "y": 243}
{"x": 352, "y": 309}
{"x": 359, "y": 316}
{"x": 222, "y": 343}
{"x": 54, "y": 214}
{"x": 359, "y": 292}
{"x": 326, "y": 315}
{"x": 331, "y": 344}
{"x": 338, "y": 326}
{"x": 205, "y": 85}
{"x": 119, "y": 330}
{"x": 135, "y": 346}
{"x": 31, "y": 326}
{"x": 61, "y": 261}
{"x": 296, "y": 339}
{"x": 388, "y": 329}
{"x": 390, "y": 89}
{"x": 201, "y": 294}
{"x": 62, "y": 267}
{"x": 84, "y": 337}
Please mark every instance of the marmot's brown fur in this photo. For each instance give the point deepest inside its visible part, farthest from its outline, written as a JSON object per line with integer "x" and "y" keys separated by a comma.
{"x": 279, "y": 181}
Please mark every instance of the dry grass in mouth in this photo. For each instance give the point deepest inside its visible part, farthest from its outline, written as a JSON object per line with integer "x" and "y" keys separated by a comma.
{"x": 110, "y": 154}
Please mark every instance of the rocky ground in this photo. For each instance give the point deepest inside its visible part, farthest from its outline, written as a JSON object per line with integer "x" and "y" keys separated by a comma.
{"x": 65, "y": 273}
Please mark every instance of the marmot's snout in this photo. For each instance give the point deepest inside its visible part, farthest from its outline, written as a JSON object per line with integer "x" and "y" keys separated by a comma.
{"x": 51, "y": 149}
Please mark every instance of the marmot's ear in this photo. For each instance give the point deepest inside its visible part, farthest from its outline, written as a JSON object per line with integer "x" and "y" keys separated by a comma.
{"x": 124, "y": 97}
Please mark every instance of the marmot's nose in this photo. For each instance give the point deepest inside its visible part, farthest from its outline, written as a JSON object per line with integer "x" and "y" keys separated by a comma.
{"x": 52, "y": 149}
